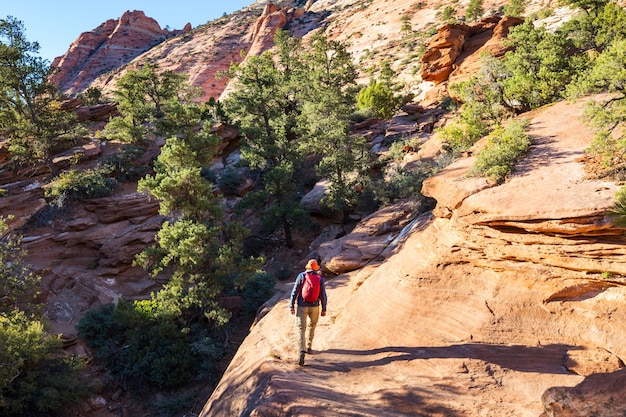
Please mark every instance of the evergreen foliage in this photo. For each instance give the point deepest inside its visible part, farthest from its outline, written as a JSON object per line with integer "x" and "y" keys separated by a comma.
{"x": 125, "y": 164}
{"x": 406, "y": 28}
{"x": 203, "y": 253}
{"x": 31, "y": 117}
{"x": 505, "y": 145}
{"x": 447, "y": 16}
{"x": 618, "y": 211}
{"x": 293, "y": 107}
{"x": 76, "y": 184}
{"x": 36, "y": 378}
{"x": 474, "y": 10}
{"x": 515, "y": 8}
{"x": 265, "y": 105}
{"x": 609, "y": 117}
{"x": 483, "y": 106}
{"x": 380, "y": 97}
{"x": 606, "y": 73}
{"x": 19, "y": 286}
{"x": 144, "y": 96}
{"x": 324, "y": 121}
{"x": 92, "y": 96}
{"x": 290, "y": 104}
{"x": 257, "y": 291}
{"x": 538, "y": 69}
{"x": 230, "y": 180}
{"x": 146, "y": 348}
{"x": 591, "y": 7}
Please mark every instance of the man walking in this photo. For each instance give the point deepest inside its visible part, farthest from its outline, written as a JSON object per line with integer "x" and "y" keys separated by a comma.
{"x": 309, "y": 290}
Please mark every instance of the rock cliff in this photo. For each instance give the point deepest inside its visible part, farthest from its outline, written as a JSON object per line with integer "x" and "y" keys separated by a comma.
{"x": 505, "y": 300}
{"x": 109, "y": 46}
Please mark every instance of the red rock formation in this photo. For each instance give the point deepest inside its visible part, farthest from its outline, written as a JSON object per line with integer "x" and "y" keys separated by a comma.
{"x": 204, "y": 53}
{"x": 485, "y": 38}
{"x": 273, "y": 18}
{"x": 109, "y": 46}
{"x": 497, "y": 305}
{"x": 455, "y": 43}
{"x": 94, "y": 113}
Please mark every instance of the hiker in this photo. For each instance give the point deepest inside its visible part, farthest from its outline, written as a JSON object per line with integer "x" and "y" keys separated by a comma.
{"x": 309, "y": 290}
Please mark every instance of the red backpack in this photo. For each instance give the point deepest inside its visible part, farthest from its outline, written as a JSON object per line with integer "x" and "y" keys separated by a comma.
{"x": 311, "y": 287}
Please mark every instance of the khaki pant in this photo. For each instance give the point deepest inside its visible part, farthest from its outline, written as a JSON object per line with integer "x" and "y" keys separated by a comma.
{"x": 306, "y": 329}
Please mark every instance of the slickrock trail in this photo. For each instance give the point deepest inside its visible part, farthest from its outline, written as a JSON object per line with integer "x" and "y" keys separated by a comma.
{"x": 497, "y": 301}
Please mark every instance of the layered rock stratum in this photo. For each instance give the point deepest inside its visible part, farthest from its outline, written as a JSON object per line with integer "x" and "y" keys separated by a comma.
{"x": 107, "y": 47}
{"x": 504, "y": 300}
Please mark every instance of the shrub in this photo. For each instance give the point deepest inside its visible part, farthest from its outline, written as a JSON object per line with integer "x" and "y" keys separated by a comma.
{"x": 504, "y": 146}
{"x": 257, "y": 291}
{"x": 230, "y": 180}
{"x": 19, "y": 285}
{"x": 474, "y": 10}
{"x": 539, "y": 68}
{"x": 607, "y": 117}
{"x": 457, "y": 137}
{"x": 144, "y": 349}
{"x": 35, "y": 378}
{"x": 173, "y": 405}
{"x": 92, "y": 96}
{"x": 91, "y": 183}
{"x": 123, "y": 164}
{"x": 379, "y": 98}
{"x": 545, "y": 13}
{"x": 399, "y": 183}
{"x": 208, "y": 174}
{"x": 462, "y": 133}
{"x": 448, "y": 15}
{"x": 514, "y": 8}
{"x": 618, "y": 211}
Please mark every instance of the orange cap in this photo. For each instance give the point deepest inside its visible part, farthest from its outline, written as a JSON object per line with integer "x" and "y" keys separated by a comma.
{"x": 312, "y": 265}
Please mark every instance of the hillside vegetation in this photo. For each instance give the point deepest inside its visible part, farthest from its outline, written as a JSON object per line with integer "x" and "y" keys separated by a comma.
{"x": 202, "y": 259}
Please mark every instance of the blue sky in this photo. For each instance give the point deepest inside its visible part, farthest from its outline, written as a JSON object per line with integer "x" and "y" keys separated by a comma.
{"x": 55, "y": 24}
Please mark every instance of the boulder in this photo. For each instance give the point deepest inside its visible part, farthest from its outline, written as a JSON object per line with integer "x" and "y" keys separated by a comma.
{"x": 368, "y": 239}
{"x": 599, "y": 394}
{"x": 311, "y": 200}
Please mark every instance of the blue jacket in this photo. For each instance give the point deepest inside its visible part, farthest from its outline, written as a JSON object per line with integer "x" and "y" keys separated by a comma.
{"x": 296, "y": 293}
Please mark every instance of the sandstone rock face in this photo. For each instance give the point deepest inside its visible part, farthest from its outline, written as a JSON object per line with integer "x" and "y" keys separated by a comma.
{"x": 261, "y": 37}
{"x": 457, "y": 47}
{"x": 98, "y": 58}
{"x": 497, "y": 304}
{"x": 504, "y": 301}
{"x": 88, "y": 261}
{"x": 94, "y": 113}
{"x": 109, "y": 46}
{"x": 443, "y": 51}
{"x": 205, "y": 52}
{"x": 84, "y": 250}
{"x": 368, "y": 240}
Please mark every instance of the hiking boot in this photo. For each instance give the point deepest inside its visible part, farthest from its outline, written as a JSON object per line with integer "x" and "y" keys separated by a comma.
{"x": 308, "y": 350}
{"x": 301, "y": 360}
